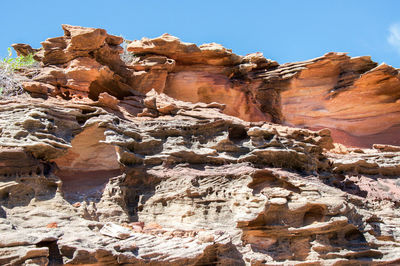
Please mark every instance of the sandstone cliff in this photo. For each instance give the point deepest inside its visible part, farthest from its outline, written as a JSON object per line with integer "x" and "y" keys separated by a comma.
{"x": 180, "y": 154}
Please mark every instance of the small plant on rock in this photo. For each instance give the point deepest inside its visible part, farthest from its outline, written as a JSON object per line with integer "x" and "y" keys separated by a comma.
{"x": 16, "y": 63}
{"x": 126, "y": 56}
{"x": 10, "y": 82}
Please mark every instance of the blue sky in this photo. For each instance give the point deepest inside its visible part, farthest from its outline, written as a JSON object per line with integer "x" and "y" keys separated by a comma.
{"x": 285, "y": 31}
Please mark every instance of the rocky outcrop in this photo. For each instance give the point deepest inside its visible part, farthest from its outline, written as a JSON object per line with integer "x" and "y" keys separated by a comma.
{"x": 100, "y": 186}
{"x": 348, "y": 95}
{"x": 83, "y": 63}
{"x": 334, "y": 91}
{"x": 103, "y": 167}
{"x": 208, "y": 73}
{"x": 73, "y": 68}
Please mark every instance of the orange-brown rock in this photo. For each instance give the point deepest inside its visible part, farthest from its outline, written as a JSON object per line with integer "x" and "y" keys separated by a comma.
{"x": 185, "y": 71}
{"x": 135, "y": 161}
{"x": 208, "y": 73}
{"x": 23, "y": 49}
{"x": 334, "y": 91}
{"x": 185, "y": 53}
{"x": 83, "y": 63}
{"x": 353, "y": 96}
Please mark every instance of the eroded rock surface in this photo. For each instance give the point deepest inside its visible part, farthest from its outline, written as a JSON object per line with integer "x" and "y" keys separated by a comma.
{"x": 83, "y": 63}
{"x": 355, "y": 97}
{"x": 183, "y": 183}
{"x": 104, "y": 167}
{"x": 333, "y": 91}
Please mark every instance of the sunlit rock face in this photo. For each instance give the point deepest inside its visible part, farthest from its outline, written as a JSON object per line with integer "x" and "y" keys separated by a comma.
{"x": 207, "y": 73}
{"x": 334, "y": 91}
{"x": 83, "y": 63}
{"x": 171, "y": 157}
{"x": 353, "y": 96}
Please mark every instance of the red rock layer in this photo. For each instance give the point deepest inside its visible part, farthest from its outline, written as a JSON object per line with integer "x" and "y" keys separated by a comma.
{"x": 83, "y": 63}
{"x": 352, "y": 96}
{"x": 334, "y": 91}
{"x": 208, "y": 73}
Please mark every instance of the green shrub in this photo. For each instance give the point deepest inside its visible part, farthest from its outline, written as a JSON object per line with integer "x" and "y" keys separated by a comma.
{"x": 10, "y": 80}
{"x": 19, "y": 62}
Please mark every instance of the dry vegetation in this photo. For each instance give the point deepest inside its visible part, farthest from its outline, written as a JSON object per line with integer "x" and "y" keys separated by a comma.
{"x": 10, "y": 79}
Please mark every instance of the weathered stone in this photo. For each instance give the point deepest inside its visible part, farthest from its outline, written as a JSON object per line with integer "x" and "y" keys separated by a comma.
{"x": 108, "y": 169}
{"x": 82, "y": 38}
{"x": 23, "y": 49}
{"x": 345, "y": 94}
{"x": 114, "y": 230}
{"x": 172, "y": 47}
{"x": 84, "y": 62}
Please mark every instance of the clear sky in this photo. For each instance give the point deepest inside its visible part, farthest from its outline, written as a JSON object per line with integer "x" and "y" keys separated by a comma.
{"x": 285, "y": 31}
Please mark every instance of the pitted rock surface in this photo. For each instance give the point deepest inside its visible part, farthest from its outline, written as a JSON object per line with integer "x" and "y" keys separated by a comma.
{"x": 109, "y": 162}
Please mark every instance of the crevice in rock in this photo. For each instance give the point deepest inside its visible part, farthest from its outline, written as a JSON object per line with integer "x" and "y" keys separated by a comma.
{"x": 345, "y": 183}
{"x": 3, "y": 213}
{"x": 264, "y": 178}
{"x": 85, "y": 186}
{"x": 355, "y": 236}
{"x": 138, "y": 187}
{"x": 108, "y": 86}
{"x": 237, "y": 133}
{"x": 219, "y": 254}
{"x": 55, "y": 258}
{"x": 314, "y": 214}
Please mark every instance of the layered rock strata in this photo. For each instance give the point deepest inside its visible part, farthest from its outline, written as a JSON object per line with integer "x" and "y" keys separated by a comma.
{"x": 82, "y": 63}
{"x": 180, "y": 183}
{"x": 355, "y": 97}
{"x": 102, "y": 167}
{"x": 335, "y": 91}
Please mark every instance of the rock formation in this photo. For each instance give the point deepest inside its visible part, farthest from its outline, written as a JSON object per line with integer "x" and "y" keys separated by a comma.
{"x": 334, "y": 91}
{"x": 348, "y": 95}
{"x": 175, "y": 157}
